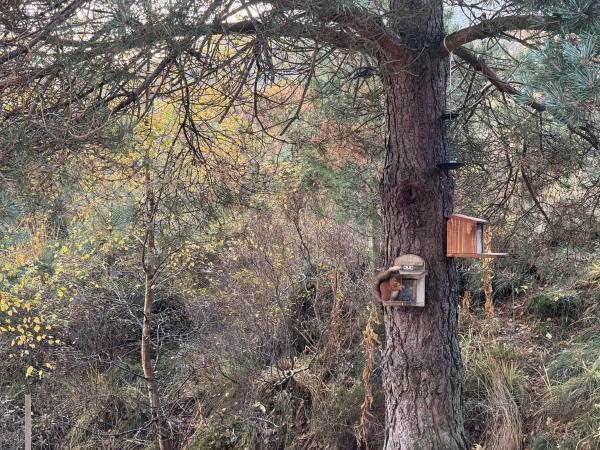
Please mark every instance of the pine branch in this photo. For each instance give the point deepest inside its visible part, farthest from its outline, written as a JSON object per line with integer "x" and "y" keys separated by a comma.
{"x": 495, "y": 27}
{"x": 479, "y": 64}
{"x": 67, "y": 12}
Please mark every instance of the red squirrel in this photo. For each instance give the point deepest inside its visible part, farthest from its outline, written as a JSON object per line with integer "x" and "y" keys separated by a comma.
{"x": 387, "y": 282}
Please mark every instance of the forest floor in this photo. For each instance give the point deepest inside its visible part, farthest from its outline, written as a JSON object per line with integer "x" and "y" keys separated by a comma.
{"x": 537, "y": 348}
{"x": 538, "y": 342}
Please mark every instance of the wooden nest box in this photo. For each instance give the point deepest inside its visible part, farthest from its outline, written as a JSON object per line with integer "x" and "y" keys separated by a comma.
{"x": 464, "y": 237}
{"x": 403, "y": 284}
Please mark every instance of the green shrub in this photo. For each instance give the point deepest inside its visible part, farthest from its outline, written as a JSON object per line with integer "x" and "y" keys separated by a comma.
{"x": 210, "y": 439}
{"x": 557, "y": 303}
{"x": 571, "y": 363}
{"x": 544, "y": 442}
{"x": 504, "y": 281}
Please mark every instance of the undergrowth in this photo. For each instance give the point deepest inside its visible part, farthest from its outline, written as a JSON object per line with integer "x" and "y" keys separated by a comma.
{"x": 556, "y": 303}
{"x": 494, "y": 393}
{"x": 571, "y": 406}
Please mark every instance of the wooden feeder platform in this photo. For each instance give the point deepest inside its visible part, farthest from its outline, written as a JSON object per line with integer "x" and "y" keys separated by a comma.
{"x": 464, "y": 238}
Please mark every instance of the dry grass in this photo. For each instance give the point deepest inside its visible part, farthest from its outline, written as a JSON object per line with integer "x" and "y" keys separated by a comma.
{"x": 494, "y": 390}
{"x": 570, "y": 409}
{"x": 592, "y": 279}
{"x": 505, "y": 427}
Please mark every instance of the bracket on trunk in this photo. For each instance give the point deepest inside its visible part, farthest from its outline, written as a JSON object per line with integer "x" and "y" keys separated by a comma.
{"x": 449, "y": 165}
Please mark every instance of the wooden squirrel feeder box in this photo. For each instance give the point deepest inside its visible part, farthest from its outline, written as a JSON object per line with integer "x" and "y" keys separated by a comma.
{"x": 465, "y": 237}
{"x": 403, "y": 284}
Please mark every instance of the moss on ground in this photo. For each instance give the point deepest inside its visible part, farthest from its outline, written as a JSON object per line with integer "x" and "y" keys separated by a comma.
{"x": 556, "y": 303}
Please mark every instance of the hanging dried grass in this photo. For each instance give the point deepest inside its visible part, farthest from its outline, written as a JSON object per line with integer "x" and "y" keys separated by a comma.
{"x": 370, "y": 340}
{"x": 465, "y": 309}
{"x": 486, "y": 279}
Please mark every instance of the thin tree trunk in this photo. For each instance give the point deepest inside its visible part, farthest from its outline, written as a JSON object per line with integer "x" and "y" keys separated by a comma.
{"x": 375, "y": 240}
{"x": 422, "y": 363}
{"x": 150, "y": 271}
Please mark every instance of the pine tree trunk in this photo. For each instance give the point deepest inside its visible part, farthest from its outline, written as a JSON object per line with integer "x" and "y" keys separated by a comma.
{"x": 422, "y": 363}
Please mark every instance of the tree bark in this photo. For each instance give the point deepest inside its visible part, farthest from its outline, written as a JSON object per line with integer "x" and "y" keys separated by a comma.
{"x": 422, "y": 363}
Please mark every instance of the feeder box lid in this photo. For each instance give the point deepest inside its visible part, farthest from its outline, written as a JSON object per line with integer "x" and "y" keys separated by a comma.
{"x": 409, "y": 265}
{"x": 467, "y": 218}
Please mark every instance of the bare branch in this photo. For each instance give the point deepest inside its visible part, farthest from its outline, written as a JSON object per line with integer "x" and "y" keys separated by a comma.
{"x": 495, "y": 27}
{"x": 479, "y": 64}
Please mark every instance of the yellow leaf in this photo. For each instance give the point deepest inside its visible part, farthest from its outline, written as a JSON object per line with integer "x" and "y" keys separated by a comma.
{"x": 29, "y": 371}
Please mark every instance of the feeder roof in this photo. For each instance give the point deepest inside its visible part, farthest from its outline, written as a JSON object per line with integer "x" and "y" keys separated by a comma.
{"x": 467, "y": 218}
{"x": 408, "y": 265}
